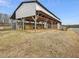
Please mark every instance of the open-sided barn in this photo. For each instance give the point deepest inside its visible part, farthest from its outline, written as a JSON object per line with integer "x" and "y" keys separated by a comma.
{"x": 33, "y": 15}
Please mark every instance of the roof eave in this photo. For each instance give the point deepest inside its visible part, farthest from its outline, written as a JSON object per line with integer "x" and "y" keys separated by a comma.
{"x": 39, "y": 4}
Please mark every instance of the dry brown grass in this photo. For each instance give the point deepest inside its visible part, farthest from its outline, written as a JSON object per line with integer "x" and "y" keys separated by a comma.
{"x": 48, "y": 43}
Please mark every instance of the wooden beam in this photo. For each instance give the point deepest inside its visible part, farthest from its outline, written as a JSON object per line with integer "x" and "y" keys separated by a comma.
{"x": 35, "y": 20}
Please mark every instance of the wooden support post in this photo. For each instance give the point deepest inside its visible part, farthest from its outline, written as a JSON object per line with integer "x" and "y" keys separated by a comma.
{"x": 35, "y": 20}
{"x": 16, "y": 24}
{"x": 12, "y": 23}
{"x": 42, "y": 25}
{"x": 46, "y": 23}
{"x": 23, "y": 23}
{"x": 51, "y": 24}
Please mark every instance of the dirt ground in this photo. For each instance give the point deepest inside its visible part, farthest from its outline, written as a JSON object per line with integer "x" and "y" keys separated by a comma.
{"x": 49, "y": 43}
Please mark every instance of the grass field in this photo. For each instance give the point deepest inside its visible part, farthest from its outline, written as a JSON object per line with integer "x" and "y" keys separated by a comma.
{"x": 75, "y": 30}
{"x": 39, "y": 44}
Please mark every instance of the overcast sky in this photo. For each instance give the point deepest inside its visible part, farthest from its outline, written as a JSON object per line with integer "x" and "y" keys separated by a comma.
{"x": 66, "y": 10}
